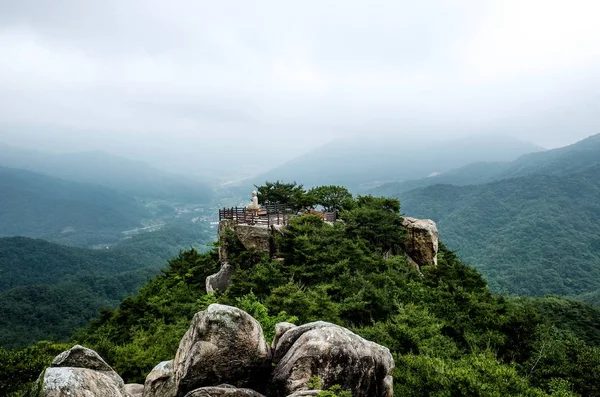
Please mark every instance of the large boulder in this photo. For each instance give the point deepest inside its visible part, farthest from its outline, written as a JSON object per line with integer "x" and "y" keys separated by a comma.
{"x": 422, "y": 240}
{"x": 334, "y": 354}
{"x": 81, "y": 372}
{"x": 160, "y": 381}
{"x": 220, "y": 280}
{"x": 223, "y": 345}
{"x": 80, "y": 382}
{"x": 252, "y": 237}
{"x": 223, "y": 391}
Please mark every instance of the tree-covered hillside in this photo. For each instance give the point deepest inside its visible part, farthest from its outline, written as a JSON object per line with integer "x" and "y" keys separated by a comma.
{"x": 39, "y": 206}
{"x": 48, "y": 290}
{"x": 532, "y": 235}
{"x": 449, "y": 335}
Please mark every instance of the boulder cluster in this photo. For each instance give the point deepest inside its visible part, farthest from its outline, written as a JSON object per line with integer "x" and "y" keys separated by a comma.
{"x": 224, "y": 353}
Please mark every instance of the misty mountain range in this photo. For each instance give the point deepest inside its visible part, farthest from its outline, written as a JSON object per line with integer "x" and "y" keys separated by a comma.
{"x": 114, "y": 172}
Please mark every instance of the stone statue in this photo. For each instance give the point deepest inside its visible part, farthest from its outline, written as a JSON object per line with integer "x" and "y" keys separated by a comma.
{"x": 254, "y": 204}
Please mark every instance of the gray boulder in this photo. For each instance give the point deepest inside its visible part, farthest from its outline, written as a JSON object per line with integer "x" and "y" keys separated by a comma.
{"x": 80, "y": 382}
{"x": 81, "y": 357}
{"x": 160, "y": 381}
{"x": 305, "y": 393}
{"x": 223, "y": 390}
{"x": 334, "y": 354}
{"x": 223, "y": 345}
{"x": 220, "y": 280}
{"x": 81, "y": 372}
{"x": 134, "y": 390}
{"x": 280, "y": 329}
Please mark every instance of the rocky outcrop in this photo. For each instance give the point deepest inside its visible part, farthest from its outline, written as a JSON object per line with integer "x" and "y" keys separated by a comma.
{"x": 334, "y": 354}
{"x": 81, "y": 372}
{"x": 224, "y": 353}
{"x": 223, "y": 390}
{"x": 422, "y": 240}
{"x": 223, "y": 345}
{"x": 220, "y": 280}
{"x": 160, "y": 381}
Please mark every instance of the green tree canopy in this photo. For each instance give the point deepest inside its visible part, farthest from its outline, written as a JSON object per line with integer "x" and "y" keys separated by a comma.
{"x": 290, "y": 194}
{"x": 332, "y": 198}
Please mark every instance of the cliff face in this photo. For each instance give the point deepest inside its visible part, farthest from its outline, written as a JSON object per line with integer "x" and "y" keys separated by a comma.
{"x": 422, "y": 241}
{"x": 420, "y": 247}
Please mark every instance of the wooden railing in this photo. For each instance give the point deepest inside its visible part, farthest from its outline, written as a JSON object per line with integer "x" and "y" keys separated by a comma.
{"x": 270, "y": 214}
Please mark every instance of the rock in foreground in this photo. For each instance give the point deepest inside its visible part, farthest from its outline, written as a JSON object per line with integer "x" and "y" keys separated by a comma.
{"x": 81, "y": 372}
{"x": 223, "y": 391}
{"x": 160, "y": 382}
{"x": 334, "y": 354}
{"x": 223, "y": 345}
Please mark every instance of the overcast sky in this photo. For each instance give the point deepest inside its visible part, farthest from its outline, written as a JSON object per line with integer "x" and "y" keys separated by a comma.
{"x": 180, "y": 80}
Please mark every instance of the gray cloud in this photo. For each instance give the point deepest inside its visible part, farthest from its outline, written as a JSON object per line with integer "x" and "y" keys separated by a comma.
{"x": 187, "y": 82}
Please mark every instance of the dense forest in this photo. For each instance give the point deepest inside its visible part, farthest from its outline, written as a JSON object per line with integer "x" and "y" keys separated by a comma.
{"x": 49, "y": 290}
{"x": 530, "y": 226}
{"x": 450, "y": 336}
{"x": 532, "y": 235}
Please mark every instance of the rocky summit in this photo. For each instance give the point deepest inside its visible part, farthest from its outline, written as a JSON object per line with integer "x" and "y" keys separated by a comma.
{"x": 224, "y": 353}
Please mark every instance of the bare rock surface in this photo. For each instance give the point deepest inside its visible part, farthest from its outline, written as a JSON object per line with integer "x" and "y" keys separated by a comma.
{"x": 334, "y": 354}
{"x": 220, "y": 280}
{"x": 223, "y": 390}
{"x": 305, "y": 393}
{"x": 280, "y": 329}
{"x": 80, "y": 382}
{"x": 134, "y": 390}
{"x": 422, "y": 241}
{"x": 256, "y": 237}
{"x": 81, "y": 357}
{"x": 160, "y": 381}
{"x": 223, "y": 345}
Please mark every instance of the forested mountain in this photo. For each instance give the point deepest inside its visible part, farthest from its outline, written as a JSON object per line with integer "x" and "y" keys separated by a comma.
{"x": 48, "y": 290}
{"x": 361, "y": 162}
{"x": 132, "y": 177}
{"x": 36, "y": 205}
{"x": 448, "y": 333}
{"x": 534, "y": 230}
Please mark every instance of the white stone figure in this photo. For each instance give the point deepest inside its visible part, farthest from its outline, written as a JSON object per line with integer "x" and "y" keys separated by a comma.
{"x": 254, "y": 204}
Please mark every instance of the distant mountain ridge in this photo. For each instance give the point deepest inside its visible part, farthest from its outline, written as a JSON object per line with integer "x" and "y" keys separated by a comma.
{"x": 36, "y": 205}
{"x": 359, "y": 162}
{"x": 104, "y": 169}
{"x": 560, "y": 161}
